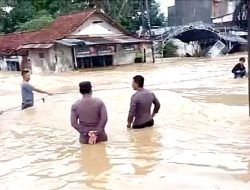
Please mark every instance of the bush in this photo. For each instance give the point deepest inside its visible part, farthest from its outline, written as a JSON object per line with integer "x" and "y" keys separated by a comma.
{"x": 170, "y": 50}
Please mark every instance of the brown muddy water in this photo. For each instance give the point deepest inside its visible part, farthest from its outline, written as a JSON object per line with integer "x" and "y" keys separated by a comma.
{"x": 201, "y": 139}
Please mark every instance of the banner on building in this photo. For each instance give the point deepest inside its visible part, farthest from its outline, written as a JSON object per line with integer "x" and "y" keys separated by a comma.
{"x": 92, "y": 51}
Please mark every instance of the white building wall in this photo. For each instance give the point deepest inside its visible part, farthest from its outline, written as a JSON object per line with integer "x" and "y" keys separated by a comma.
{"x": 101, "y": 28}
{"x": 39, "y": 64}
{"x": 3, "y": 64}
{"x": 57, "y": 59}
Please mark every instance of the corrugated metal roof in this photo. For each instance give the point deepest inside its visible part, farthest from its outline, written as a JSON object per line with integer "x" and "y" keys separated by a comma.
{"x": 70, "y": 42}
{"x": 237, "y": 39}
{"x": 126, "y": 39}
{"x": 99, "y": 40}
{"x": 37, "y": 46}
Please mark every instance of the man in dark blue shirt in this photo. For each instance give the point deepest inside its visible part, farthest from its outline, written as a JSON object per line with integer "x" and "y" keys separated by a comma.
{"x": 239, "y": 70}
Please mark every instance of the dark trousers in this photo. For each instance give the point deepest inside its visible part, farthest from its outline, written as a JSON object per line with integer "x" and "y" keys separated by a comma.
{"x": 147, "y": 124}
{"x": 25, "y": 106}
{"x": 240, "y": 74}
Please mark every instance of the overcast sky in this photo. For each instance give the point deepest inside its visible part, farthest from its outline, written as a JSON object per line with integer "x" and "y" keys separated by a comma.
{"x": 165, "y": 4}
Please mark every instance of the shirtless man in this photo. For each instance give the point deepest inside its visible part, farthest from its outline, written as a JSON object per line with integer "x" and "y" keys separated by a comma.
{"x": 140, "y": 108}
{"x": 89, "y": 116}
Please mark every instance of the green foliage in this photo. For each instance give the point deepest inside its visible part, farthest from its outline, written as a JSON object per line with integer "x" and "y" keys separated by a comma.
{"x": 170, "y": 50}
{"x": 34, "y": 14}
{"x": 35, "y": 24}
{"x": 131, "y": 16}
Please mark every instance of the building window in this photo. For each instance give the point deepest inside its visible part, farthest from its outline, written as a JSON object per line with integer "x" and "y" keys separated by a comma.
{"x": 97, "y": 22}
{"x": 41, "y": 55}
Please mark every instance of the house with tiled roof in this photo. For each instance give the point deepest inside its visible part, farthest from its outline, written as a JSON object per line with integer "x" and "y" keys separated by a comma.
{"x": 75, "y": 41}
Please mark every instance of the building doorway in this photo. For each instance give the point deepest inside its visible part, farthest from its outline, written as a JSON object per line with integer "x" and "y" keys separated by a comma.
{"x": 13, "y": 66}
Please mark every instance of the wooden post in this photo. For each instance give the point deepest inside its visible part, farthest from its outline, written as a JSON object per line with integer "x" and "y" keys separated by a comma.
{"x": 75, "y": 58}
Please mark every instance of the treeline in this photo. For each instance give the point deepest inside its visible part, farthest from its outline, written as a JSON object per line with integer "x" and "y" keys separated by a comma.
{"x": 30, "y": 15}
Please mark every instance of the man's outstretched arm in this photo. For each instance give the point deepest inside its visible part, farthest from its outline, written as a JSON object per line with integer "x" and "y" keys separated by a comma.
{"x": 41, "y": 91}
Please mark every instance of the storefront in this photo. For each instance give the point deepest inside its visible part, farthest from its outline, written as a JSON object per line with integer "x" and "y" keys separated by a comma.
{"x": 95, "y": 56}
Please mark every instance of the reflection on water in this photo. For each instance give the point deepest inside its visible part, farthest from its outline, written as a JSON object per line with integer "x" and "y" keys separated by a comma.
{"x": 201, "y": 140}
{"x": 144, "y": 157}
{"x": 95, "y": 163}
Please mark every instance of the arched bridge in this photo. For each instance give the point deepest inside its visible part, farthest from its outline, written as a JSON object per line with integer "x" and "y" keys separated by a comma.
{"x": 188, "y": 33}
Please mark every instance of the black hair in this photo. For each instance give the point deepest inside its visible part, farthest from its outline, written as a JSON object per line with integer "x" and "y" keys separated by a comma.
{"x": 85, "y": 87}
{"x": 138, "y": 79}
{"x": 85, "y": 91}
{"x": 242, "y": 59}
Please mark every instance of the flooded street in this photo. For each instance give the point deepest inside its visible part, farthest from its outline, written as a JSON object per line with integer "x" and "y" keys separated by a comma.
{"x": 201, "y": 139}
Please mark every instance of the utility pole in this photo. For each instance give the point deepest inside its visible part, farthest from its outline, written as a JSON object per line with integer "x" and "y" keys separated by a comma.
{"x": 149, "y": 29}
{"x": 248, "y": 37}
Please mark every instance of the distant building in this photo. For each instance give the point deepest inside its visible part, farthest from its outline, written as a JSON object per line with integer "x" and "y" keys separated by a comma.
{"x": 223, "y": 7}
{"x": 188, "y": 11}
{"x": 223, "y": 11}
{"x": 80, "y": 40}
{"x": 185, "y": 12}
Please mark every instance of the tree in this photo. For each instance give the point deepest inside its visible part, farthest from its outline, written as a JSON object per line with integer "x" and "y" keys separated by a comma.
{"x": 132, "y": 13}
{"x": 22, "y": 12}
{"x": 25, "y": 15}
{"x": 35, "y": 24}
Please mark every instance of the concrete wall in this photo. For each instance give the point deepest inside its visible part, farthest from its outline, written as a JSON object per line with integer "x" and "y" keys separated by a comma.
{"x": 57, "y": 59}
{"x": 97, "y": 29}
{"x": 38, "y": 63}
{"x": 148, "y": 48}
{"x": 124, "y": 58}
{"x": 64, "y": 58}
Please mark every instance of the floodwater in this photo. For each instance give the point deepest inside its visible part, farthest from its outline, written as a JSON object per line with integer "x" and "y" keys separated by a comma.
{"x": 201, "y": 139}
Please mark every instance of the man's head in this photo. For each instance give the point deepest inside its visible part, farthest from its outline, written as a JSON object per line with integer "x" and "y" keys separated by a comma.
{"x": 242, "y": 60}
{"x": 138, "y": 82}
{"x": 85, "y": 87}
{"x": 26, "y": 75}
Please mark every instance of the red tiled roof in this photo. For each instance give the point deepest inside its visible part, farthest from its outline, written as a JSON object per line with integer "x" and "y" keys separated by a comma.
{"x": 62, "y": 27}
{"x": 10, "y": 42}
